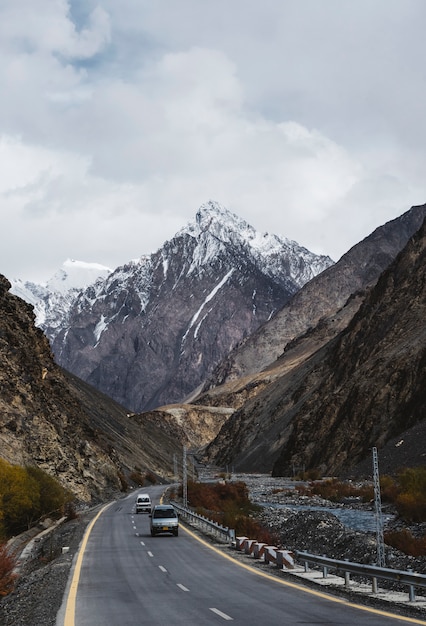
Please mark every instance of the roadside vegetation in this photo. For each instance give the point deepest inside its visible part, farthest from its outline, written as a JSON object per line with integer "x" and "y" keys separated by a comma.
{"x": 228, "y": 504}
{"x": 28, "y": 494}
{"x": 7, "y": 575}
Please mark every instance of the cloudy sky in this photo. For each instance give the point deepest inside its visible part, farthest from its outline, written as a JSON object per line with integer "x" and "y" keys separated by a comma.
{"x": 119, "y": 119}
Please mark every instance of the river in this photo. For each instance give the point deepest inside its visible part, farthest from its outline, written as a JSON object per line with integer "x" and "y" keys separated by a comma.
{"x": 352, "y": 518}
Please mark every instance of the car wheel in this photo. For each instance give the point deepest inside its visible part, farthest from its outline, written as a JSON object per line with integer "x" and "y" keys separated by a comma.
{"x": 176, "y": 532}
{"x": 152, "y": 533}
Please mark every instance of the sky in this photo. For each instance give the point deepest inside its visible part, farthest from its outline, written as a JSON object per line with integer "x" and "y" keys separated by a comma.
{"x": 118, "y": 120}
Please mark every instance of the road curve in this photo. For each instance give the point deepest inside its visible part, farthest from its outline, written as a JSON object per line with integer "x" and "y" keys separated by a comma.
{"x": 123, "y": 576}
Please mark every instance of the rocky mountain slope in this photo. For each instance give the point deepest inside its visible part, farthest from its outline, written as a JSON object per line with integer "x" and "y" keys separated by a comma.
{"x": 320, "y": 298}
{"x": 51, "y": 419}
{"x": 151, "y": 332}
{"x": 326, "y": 407}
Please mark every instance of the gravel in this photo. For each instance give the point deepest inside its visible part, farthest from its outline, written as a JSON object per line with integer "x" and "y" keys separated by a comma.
{"x": 43, "y": 576}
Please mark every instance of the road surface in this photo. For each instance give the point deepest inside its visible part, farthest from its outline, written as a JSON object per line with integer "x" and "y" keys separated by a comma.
{"x": 125, "y": 577}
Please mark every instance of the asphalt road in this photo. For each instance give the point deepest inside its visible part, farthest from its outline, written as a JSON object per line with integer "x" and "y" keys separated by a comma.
{"x": 124, "y": 577}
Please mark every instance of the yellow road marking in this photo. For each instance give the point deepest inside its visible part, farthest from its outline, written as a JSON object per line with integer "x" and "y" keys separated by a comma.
{"x": 318, "y": 594}
{"x": 69, "y": 619}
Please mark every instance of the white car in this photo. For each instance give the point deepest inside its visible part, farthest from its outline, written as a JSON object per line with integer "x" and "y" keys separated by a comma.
{"x": 143, "y": 503}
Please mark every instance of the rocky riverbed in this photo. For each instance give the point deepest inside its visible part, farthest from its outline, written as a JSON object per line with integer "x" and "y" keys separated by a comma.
{"x": 320, "y": 531}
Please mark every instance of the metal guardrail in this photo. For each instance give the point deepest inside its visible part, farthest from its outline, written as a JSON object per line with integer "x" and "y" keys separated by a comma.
{"x": 221, "y": 532}
{"x": 407, "y": 578}
{"x": 282, "y": 558}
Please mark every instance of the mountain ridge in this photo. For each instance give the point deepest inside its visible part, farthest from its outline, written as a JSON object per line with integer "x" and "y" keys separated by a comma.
{"x": 148, "y": 333}
{"x": 306, "y": 409}
{"x": 321, "y": 297}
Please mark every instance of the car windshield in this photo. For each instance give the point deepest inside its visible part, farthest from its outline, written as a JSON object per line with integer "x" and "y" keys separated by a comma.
{"x": 164, "y": 513}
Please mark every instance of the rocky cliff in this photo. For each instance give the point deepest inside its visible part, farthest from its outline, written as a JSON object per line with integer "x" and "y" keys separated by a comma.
{"x": 320, "y": 298}
{"x": 52, "y": 419}
{"x": 365, "y": 386}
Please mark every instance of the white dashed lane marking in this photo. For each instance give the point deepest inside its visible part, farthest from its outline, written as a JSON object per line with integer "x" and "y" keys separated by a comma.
{"x": 150, "y": 553}
{"x": 223, "y": 615}
{"x": 182, "y": 587}
{"x": 163, "y": 569}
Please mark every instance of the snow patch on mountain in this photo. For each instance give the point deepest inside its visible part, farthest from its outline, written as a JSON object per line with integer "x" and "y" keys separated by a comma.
{"x": 76, "y": 275}
{"x": 216, "y": 229}
{"x": 52, "y": 300}
{"x": 210, "y": 296}
{"x": 99, "y": 328}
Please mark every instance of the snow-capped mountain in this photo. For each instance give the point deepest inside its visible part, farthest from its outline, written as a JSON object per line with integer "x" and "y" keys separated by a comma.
{"x": 148, "y": 333}
{"x": 215, "y": 229}
{"x": 53, "y": 299}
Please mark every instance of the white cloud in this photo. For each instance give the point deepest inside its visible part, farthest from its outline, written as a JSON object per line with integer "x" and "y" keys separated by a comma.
{"x": 44, "y": 27}
{"x": 304, "y": 118}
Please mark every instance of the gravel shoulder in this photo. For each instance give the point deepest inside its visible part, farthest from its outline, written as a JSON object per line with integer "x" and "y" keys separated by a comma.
{"x": 43, "y": 575}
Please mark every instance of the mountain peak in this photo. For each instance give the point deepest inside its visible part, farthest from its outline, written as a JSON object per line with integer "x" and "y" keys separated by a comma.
{"x": 215, "y": 220}
{"x": 76, "y": 275}
{"x": 217, "y": 229}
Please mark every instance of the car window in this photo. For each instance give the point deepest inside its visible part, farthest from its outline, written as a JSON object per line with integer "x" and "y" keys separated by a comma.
{"x": 164, "y": 513}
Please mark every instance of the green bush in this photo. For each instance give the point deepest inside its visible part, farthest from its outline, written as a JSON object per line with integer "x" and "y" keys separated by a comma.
{"x": 26, "y": 495}
{"x": 52, "y": 496}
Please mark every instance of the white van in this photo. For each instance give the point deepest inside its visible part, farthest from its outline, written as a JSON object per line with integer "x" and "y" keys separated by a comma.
{"x": 143, "y": 503}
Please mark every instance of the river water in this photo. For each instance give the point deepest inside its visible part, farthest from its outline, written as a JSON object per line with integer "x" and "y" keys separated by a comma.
{"x": 352, "y": 518}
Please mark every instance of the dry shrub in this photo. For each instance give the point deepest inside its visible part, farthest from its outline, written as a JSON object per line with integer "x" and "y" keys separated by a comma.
{"x": 151, "y": 477}
{"x": 336, "y": 490}
{"x": 137, "y": 477}
{"x": 228, "y": 504}
{"x": 7, "y": 576}
{"x": 411, "y": 507}
{"x": 70, "y": 511}
{"x": 404, "y": 541}
{"x": 411, "y": 499}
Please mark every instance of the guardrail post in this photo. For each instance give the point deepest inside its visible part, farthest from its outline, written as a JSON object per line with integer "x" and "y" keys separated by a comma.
{"x": 324, "y": 569}
{"x": 411, "y": 592}
{"x": 347, "y": 577}
{"x": 268, "y": 554}
{"x": 248, "y": 546}
{"x": 285, "y": 559}
{"x": 240, "y": 543}
{"x": 374, "y": 584}
{"x": 306, "y": 565}
{"x": 258, "y": 549}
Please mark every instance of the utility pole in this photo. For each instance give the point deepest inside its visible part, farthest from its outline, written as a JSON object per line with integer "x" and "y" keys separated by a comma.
{"x": 184, "y": 480}
{"x": 378, "y": 512}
